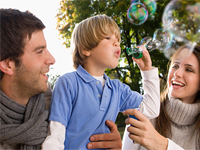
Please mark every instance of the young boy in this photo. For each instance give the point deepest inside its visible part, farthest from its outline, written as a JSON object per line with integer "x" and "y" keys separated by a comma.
{"x": 84, "y": 99}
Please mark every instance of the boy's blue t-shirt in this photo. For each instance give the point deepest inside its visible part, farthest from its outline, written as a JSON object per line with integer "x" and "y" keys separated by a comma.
{"x": 81, "y": 104}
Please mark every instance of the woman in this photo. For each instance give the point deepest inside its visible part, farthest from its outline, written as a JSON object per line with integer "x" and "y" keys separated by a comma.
{"x": 178, "y": 125}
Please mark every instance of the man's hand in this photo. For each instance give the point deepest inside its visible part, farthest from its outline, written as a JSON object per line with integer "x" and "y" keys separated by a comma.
{"x": 110, "y": 140}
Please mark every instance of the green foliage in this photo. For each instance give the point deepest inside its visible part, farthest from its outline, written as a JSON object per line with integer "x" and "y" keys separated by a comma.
{"x": 74, "y": 11}
{"x": 53, "y": 80}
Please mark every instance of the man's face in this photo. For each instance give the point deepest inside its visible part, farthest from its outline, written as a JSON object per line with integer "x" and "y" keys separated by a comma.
{"x": 31, "y": 76}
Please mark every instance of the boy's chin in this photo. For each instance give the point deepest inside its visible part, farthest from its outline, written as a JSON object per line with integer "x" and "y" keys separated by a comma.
{"x": 113, "y": 66}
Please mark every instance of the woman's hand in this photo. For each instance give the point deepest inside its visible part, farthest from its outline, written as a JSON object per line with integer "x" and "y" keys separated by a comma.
{"x": 143, "y": 132}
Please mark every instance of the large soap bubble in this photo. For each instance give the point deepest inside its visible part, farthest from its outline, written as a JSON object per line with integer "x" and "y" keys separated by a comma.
{"x": 182, "y": 17}
{"x": 137, "y": 13}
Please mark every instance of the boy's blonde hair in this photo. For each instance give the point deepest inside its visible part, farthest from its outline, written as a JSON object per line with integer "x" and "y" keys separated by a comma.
{"x": 88, "y": 33}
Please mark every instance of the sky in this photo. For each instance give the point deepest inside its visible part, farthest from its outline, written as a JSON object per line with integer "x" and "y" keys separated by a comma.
{"x": 46, "y": 11}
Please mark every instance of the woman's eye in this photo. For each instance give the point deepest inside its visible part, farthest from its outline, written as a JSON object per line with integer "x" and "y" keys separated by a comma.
{"x": 175, "y": 66}
{"x": 189, "y": 70}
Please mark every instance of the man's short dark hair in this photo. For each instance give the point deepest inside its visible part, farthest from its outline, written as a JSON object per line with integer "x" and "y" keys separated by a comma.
{"x": 15, "y": 27}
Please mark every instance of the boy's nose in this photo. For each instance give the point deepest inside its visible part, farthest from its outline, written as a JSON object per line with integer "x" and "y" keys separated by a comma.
{"x": 116, "y": 44}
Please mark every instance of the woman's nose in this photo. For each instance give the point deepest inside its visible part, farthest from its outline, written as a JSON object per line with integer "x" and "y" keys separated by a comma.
{"x": 178, "y": 72}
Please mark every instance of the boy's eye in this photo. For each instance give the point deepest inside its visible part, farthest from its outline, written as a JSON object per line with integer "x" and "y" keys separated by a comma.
{"x": 108, "y": 38}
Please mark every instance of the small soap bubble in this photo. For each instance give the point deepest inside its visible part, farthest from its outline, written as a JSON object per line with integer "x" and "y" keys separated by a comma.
{"x": 141, "y": 10}
{"x": 151, "y": 7}
{"x": 137, "y": 13}
{"x": 162, "y": 38}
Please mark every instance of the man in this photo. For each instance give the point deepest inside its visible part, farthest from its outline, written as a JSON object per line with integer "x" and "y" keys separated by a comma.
{"x": 24, "y": 63}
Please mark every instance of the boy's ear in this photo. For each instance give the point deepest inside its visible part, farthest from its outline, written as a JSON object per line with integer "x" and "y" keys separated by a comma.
{"x": 86, "y": 53}
{"x": 7, "y": 66}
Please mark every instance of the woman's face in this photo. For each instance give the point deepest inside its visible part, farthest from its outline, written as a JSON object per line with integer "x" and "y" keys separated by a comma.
{"x": 183, "y": 79}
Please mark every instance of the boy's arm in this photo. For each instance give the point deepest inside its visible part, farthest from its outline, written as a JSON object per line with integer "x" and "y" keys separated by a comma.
{"x": 55, "y": 138}
{"x": 150, "y": 106}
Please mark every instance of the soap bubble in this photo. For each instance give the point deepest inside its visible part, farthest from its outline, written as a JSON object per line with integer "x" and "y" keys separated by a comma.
{"x": 182, "y": 17}
{"x": 176, "y": 43}
{"x": 166, "y": 42}
{"x": 134, "y": 1}
{"x": 151, "y": 6}
{"x": 137, "y": 13}
{"x": 163, "y": 38}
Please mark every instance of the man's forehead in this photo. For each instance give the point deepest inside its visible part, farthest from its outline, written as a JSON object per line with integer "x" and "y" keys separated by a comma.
{"x": 35, "y": 41}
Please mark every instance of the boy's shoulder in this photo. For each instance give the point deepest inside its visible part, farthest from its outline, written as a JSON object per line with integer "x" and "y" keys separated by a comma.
{"x": 116, "y": 82}
{"x": 69, "y": 75}
{"x": 67, "y": 78}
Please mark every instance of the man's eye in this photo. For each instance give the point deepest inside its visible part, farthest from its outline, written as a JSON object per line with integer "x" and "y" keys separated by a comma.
{"x": 39, "y": 52}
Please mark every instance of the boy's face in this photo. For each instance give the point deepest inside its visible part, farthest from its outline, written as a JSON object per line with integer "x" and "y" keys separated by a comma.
{"x": 106, "y": 54}
{"x": 31, "y": 76}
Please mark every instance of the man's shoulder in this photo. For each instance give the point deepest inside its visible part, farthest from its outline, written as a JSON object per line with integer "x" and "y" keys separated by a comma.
{"x": 47, "y": 97}
{"x": 5, "y": 146}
